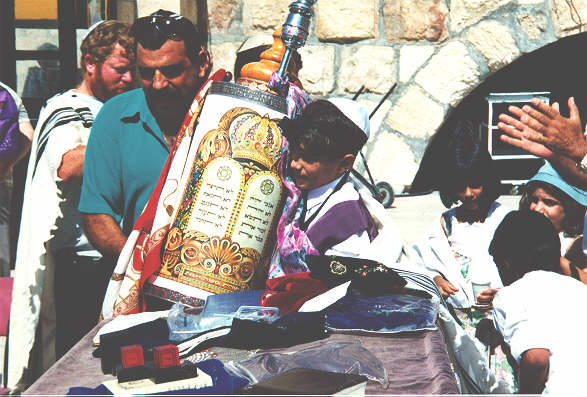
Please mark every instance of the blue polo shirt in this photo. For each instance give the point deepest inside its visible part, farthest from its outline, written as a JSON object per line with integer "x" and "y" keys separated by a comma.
{"x": 124, "y": 157}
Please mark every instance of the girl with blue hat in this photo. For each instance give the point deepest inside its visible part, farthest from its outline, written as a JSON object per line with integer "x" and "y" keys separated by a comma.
{"x": 564, "y": 205}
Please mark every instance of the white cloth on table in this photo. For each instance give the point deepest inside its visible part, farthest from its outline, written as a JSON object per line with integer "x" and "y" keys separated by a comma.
{"x": 545, "y": 310}
{"x": 433, "y": 255}
{"x": 49, "y": 218}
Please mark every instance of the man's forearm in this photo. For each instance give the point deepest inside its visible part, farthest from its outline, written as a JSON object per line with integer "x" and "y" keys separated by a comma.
{"x": 72, "y": 164}
{"x": 567, "y": 169}
{"x": 104, "y": 234}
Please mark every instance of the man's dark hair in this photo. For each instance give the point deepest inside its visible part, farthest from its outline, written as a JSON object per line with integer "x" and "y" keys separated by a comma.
{"x": 528, "y": 241}
{"x": 468, "y": 164}
{"x": 574, "y": 212}
{"x": 154, "y": 30}
{"x": 323, "y": 132}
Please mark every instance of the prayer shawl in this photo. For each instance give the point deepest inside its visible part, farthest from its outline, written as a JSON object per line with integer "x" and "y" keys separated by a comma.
{"x": 331, "y": 228}
{"x": 141, "y": 256}
{"x": 344, "y": 215}
{"x": 66, "y": 118}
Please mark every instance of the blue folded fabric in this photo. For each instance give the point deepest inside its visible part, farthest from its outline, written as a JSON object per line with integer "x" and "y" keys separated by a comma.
{"x": 230, "y": 303}
{"x": 224, "y": 383}
{"x": 381, "y": 314}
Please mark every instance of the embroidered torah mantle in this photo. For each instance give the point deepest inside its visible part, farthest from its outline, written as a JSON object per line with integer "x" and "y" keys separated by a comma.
{"x": 229, "y": 196}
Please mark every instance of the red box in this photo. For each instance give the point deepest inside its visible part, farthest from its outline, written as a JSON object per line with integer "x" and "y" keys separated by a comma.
{"x": 132, "y": 356}
{"x": 166, "y": 356}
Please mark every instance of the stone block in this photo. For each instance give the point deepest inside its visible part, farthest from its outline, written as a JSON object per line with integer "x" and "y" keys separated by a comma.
{"x": 223, "y": 56}
{"x": 464, "y": 13}
{"x": 346, "y": 20}
{"x": 390, "y": 160}
{"x": 415, "y": 20}
{"x": 221, "y": 14}
{"x": 317, "y": 73}
{"x": 495, "y": 42}
{"x": 264, "y": 15}
{"x": 533, "y": 24}
{"x": 450, "y": 74}
{"x": 371, "y": 66}
{"x": 415, "y": 114}
{"x": 411, "y": 57}
{"x": 565, "y": 18}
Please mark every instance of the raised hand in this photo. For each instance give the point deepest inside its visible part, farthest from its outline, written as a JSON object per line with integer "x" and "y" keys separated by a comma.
{"x": 518, "y": 133}
{"x": 541, "y": 130}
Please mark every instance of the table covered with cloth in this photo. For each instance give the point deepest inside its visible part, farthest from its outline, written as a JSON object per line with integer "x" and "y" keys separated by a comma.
{"x": 416, "y": 362}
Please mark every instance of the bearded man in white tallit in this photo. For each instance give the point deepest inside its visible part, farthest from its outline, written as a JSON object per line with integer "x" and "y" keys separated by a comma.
{"x": 49, "y": 314}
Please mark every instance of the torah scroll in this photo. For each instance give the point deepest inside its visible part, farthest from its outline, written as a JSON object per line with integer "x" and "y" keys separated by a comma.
{"x": 223, "y": 224}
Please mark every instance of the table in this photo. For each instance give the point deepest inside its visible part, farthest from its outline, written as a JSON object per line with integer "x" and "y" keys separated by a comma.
{"x": 417, "y": 363}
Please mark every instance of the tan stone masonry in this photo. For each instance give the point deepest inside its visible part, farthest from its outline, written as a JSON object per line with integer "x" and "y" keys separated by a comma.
{"x": 437, "y": 51}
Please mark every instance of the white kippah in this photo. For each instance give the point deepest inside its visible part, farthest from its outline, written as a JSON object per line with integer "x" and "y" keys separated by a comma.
{"x": 354, "y": 111}
{"x": 94, "y": 26}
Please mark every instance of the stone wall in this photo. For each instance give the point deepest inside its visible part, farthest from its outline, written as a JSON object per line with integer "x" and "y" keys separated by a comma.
{"x": 436, "y": 50}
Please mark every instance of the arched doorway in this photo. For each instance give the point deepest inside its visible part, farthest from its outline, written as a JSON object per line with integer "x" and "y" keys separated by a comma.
{"x": 557, "y": 68}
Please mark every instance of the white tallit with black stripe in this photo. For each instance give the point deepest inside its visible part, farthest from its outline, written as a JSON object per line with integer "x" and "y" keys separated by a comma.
{"x": 64, "y": 123}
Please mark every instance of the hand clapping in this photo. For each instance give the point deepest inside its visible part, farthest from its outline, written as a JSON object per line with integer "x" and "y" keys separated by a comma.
{"x": 542, "y": 131}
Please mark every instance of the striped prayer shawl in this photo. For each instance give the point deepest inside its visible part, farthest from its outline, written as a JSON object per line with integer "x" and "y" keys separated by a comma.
{"x": 422, "y": 282}
{"x": 59, "y": 117}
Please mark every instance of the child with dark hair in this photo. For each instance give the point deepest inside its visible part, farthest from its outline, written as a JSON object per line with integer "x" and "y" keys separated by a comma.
{"x": 539, "y": 312}
{"x": 564, "y": 205}
{"x": 324, "y": 214}
{"x": 453, "y": 252}
{"x": 525, "y": 239}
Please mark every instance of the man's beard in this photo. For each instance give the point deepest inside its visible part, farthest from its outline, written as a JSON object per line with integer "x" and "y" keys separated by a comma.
{"x": 169, "y": 108}
{"x": 102, "y": 91}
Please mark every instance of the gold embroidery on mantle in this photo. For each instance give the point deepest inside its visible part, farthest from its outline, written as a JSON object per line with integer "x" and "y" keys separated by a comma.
{"x": 229, "y": 207}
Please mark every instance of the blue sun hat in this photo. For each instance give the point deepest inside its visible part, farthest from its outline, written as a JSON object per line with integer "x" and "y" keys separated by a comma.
{"x": 548, "y": 174}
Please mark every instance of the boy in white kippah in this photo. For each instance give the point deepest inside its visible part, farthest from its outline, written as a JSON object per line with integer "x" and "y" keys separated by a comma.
{"x": 330, "y": 218}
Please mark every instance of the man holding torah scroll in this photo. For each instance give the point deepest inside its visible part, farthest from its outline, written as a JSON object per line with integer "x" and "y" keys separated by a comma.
{"x": 207, "y": 225}
{"x": 133, "y": 134}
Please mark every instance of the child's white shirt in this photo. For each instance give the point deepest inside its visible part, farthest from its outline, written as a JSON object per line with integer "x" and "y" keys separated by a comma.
{"x": 546, "y": 310}
{"x": 433, "y": 255}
